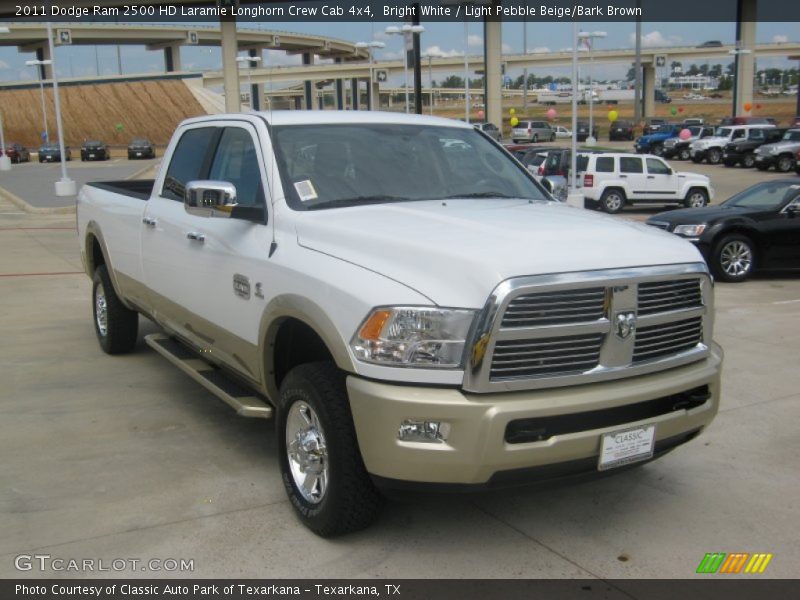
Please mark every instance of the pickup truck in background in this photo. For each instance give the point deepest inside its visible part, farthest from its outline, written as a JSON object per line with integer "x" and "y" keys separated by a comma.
{"x": 410, "y": 306}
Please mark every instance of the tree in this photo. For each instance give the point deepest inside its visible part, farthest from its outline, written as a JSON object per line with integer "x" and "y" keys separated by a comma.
{"x": 453, "y": 81}
{"x": 693, "y": 70}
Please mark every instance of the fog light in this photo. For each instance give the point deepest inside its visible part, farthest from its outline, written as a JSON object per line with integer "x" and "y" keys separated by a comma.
{"x": 431, "y": 432}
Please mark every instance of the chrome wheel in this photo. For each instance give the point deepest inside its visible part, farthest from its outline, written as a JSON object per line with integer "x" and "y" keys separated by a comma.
{"x": 101, "y": 309}
{"x": 307, "y": 452}
{"x": 697, "y": 200}
{"x": 736, "y": 258}
{"x": 613, "y": 202}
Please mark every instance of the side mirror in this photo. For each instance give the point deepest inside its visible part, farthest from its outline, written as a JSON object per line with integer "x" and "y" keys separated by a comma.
{"x": 210, "y": 198}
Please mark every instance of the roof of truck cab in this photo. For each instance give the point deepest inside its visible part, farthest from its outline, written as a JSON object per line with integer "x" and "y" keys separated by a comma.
{"x": 327, "y": 117}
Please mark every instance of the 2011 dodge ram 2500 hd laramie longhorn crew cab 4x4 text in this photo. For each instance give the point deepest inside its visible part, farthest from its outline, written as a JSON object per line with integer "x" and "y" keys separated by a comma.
{"x": 406, "y": 301}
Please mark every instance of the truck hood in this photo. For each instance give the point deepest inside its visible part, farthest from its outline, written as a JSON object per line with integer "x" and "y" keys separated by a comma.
{"x": 710, "y": 141}
{"x": 779, "y": 146}
{"x": 456, "y": 252}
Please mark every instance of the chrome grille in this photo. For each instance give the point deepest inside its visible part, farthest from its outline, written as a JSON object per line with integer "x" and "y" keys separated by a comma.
{"x": 666, "y": 339}
{"x": 545, "y": 356}
{"x": 575, "y": 328}
{"x": 554, "y": 308}
{"x": 664, "y": 296}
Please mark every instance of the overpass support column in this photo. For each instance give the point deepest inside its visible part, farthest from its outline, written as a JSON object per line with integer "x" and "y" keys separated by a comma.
{"x": 172, "y": 58}
{"x": 339, "y": 90}
{"x": 493, "y": 76}
{"x": 308, "y": 86}
{"x": 649, "y": 89}
{"x": 230, "y": 68}
{"x": 745, "y": 59}
{"x": 355, "y": 93}
{"x": 256, "y": 89}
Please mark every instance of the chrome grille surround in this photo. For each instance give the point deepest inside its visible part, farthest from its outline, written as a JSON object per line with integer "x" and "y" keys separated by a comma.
{"x": 491, "y": 346}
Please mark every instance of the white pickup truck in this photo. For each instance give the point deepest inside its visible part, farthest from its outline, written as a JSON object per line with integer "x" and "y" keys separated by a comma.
{"x": 410, "y": 306}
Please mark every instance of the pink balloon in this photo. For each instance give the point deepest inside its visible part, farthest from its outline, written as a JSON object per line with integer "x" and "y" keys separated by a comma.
{"x": 551, "y": 114}
{"x": 685, "y": 134}
{"x": 481, "y": 114}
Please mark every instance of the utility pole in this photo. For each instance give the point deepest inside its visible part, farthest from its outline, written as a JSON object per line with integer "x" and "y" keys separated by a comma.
{"x": 637, "y": 89}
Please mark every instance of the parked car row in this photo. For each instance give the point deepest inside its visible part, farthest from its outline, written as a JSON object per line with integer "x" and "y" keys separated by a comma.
{"x": 139, "y": 148}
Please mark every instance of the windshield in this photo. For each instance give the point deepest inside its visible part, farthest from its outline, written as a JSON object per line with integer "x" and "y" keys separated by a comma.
{"x": 792, "y": 136}
{"x": 765, "y": 195}
{"x": 695, "y": 130}
{"x": 722, "y": 132}
{"x": 332, "y": 165}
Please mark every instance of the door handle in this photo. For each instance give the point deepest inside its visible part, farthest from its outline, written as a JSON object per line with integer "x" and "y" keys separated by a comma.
{"x": 195, "y": 236}
{"x": 149, "y": 222}
{"x": 651, "y": 177}
{"x": 623, "y": 176}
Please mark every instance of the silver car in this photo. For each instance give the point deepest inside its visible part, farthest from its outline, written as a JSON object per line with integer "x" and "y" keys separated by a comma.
{"x": 490, "y": 130}
{"x": 533, "y": 131}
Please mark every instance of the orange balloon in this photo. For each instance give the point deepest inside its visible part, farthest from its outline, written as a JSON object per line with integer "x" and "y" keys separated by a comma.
{"x": 747, "y": 106}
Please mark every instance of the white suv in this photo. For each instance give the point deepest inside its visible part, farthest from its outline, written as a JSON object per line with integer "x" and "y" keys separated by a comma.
{"x": 711, "y": 148}
{"x": 614, "y": 179}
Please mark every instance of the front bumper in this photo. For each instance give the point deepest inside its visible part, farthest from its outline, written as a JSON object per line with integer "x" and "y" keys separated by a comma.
{"x": 476, "y": 452}
{"x": 698, "y": 153}
{"x": 768, "y": 160}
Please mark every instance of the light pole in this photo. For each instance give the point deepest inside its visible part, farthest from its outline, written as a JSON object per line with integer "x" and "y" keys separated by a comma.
{"x": 525, "y": 70}
{"x": 370, "y": 46}
{"x": 430, "y": 80}
{"x": 41, "y": 63}
{"x": 5, "y": 162}
{"x": 587, "y": 37}
{"x": 66, "y": 186}
{"x": 407, "y": 31}
{"x": 574, "y": 198}
{"x": 248, "y": 61}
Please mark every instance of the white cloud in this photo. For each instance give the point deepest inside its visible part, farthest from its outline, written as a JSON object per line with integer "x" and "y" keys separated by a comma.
{"x": 475, "y": 40}
{"x": 392, "y": 55}
{"x": 780, "y": 39}
{"x": 437, "y": 51}
{"x": 655, "y": 39}
{"x": 3, "y": 65}
{"x": 507, "y": 49}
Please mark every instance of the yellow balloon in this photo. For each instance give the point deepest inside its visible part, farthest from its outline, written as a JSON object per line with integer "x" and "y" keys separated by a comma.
{"x": 514, "y": 121}
{"x": 512, "y": 111}
{"x": 612, "y": 116}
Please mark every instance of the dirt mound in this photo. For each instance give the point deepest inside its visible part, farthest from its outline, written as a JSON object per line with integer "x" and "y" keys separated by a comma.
{"x": 149, "y": 109}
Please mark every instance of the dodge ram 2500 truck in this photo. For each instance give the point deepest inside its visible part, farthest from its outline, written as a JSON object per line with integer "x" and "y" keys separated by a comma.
{"x": 411, "y": 307}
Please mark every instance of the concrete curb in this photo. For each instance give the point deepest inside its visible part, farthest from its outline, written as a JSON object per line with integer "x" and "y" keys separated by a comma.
{"x": 60, "y": 210}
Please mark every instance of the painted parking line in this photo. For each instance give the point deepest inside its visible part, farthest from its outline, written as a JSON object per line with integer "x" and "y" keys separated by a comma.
{"x": 52, "y": 274}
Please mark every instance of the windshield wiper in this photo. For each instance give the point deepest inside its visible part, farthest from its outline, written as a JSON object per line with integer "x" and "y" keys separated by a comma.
{"x": 479, "y": 195}
{"x": 357, "y": 201}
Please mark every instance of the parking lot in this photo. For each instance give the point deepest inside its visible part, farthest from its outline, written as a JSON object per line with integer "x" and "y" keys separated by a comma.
{"x": 126, "y": 457}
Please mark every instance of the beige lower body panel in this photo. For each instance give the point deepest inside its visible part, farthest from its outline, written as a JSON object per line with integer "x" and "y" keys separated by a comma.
{"x": 476, "y": 448}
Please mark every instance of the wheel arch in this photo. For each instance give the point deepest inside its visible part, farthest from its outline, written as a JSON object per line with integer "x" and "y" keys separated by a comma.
{"x": 95, "y": 253}
{"x": 288, "y": 318}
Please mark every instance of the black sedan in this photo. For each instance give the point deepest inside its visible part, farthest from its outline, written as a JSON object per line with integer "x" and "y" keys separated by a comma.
{"x": 758, "y": 228}
{"x": 52, "y": 153}
{"x": 582, "y": 131}
{"x": 141, "y": 148}
{"x": 94, "y": 150}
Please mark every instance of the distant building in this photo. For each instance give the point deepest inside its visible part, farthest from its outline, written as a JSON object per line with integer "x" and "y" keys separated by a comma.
{"x": 695, "y": 82}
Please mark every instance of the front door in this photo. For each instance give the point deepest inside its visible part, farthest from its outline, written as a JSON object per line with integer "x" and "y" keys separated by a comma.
{"x": 662, "y": 183}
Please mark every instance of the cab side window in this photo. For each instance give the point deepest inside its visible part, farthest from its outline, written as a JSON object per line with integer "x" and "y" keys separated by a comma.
{"x": 656, "y": 167}
{"x": 236, "y": 162}
{"x": 629, "y": 164}
{"x": 189, "y": 161}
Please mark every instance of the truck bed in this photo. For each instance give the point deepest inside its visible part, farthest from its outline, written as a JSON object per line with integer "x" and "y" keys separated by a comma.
{"x": 135, "y": 188}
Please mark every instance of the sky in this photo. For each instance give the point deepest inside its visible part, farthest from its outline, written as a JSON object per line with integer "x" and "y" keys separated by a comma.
{"x": 438, "y": 38}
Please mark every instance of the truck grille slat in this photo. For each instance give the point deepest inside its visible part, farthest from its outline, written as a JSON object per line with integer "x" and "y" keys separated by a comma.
{"x": 664, "y": 296}
{"x": 546, "y": 357}
{"x": 673, "y": 338}
{"x": 555, "y": 308}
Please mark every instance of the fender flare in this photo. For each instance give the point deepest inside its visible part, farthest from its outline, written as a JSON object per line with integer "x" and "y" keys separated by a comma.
{"x": 93, "y": 232}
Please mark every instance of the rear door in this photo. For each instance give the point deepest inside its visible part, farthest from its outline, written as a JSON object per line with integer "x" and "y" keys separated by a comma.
{"x": 661, "y": 181}
{"x": 631, "y": 172}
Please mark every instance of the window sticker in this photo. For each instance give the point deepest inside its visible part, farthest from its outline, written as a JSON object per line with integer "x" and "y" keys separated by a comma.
{"x": 305, "y": 189}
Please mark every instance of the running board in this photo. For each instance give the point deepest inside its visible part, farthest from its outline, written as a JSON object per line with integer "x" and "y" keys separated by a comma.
{"x": 216, "y": 381}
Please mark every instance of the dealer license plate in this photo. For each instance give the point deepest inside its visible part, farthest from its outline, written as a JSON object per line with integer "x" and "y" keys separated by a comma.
{"x": 91, "y": 156}
{"x": 626, "y": 446}
{"x": 138, "y": 154}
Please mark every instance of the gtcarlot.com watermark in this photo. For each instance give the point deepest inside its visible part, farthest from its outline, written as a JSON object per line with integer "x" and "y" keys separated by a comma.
{"x": 47, "y": 562}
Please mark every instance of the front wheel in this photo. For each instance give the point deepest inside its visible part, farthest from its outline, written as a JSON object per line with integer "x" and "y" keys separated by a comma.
{"x": 733, "y": 258}
{"x": 612, "y": 201}
{"x": 748, "y": 160}
{"x": 115, "y": 324}
{"x": 685, "y": 154}
{"x": 784, "y": 164}
{"x": 321, "y": 465}
{"x": 714, "y": 156}
{"x": 696, "y": 198}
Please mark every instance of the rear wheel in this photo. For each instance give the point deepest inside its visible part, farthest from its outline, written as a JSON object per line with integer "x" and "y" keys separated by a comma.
{"x": 714, "y": 156}
{"x": 748, "y": 160}
{"x": 612, "y": 201}
{"x": 696, "y": 198}
{"x": 321, "y": 464}
{"x": 784, "y": 164}
{"x": 535, "y": 137}
{"x": 733, "y": 258}
{"x": 684, "y": 154}
{"x": 658, "y": 149}
{"x": 115, "y": 324}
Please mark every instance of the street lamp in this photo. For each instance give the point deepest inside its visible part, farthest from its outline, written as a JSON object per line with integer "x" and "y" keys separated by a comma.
{"x": 430, "y": 56}
{"x": 370, "y": 47}
{"x": 587, "y": 37}
{"x": 407, "y": 31}
{"x": 41, "y": 63}
{"x": 5, "y": 162}
{"x": 249, "y": 60}
{"x": 574, "y": 198}
{"x": 66, "y": 186}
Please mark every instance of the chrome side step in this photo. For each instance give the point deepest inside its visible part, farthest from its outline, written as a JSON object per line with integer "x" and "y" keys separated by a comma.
{"x": 216, "y": 381}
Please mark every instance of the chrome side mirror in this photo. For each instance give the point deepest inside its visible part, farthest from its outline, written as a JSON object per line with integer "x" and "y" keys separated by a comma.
{"x": 210, "y": 198}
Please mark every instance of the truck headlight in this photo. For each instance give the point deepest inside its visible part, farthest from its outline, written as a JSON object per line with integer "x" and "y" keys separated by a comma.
{"x": 410, "y": 336}
{"x": 690, "y": 230}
